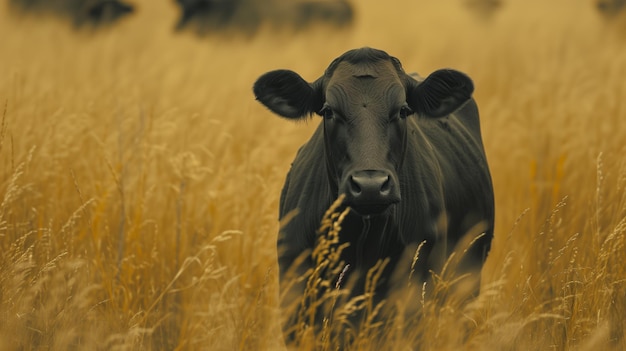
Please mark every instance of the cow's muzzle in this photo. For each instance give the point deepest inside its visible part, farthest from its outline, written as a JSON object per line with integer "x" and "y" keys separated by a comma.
{"x": 370, "y": 191}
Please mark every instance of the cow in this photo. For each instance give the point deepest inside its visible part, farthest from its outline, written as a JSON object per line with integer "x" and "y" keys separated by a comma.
{"x": 206, "y": 15}
{"x": 80, "y": 13}
{"x": 610, "y": 8}
{"x": 484, "y": 9}
{"x": 305, "y": 13}
{"x": 404, "y": 153}
{"x": 104, "y": 12}
{"x": 209, "y": 16}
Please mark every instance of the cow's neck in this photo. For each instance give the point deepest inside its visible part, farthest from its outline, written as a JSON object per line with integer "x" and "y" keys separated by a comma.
{"x": 369, "y": 237}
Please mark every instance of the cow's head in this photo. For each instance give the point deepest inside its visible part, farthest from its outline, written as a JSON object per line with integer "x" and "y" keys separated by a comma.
{"x": 365, "y": 98}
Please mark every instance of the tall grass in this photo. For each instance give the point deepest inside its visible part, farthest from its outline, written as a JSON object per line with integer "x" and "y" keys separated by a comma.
{"x": 139, "y": 179}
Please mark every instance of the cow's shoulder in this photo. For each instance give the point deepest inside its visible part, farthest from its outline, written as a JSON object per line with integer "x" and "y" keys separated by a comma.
{"x": 306, "y": 188}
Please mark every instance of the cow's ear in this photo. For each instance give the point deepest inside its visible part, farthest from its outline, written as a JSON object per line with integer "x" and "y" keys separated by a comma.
{"x": 285, "y": 93}
{"x": 440, "y": 94}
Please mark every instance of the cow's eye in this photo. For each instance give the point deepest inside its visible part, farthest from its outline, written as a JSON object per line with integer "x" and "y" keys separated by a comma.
{"x": 327, "y": 113}
{"x": 405, "y": 111}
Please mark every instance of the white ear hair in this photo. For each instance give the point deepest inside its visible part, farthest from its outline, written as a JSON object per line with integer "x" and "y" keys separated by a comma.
{"x": 416, "y": 76}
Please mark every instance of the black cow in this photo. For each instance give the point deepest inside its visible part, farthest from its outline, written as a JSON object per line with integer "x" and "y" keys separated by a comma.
{"x": 610, "y": 8}
{"x": 80, "y": 12}
{"x": 105, "y": 12}
{"x": 405, "y": 152}
{"x": 484, "y": 9}
{"x": 206, "y": 16}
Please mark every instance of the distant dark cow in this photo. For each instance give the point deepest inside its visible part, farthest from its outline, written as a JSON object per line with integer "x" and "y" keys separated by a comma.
{"x": 484, "y": 9}
{"x": 303, "y": 14}
{"x": 405, "y": 152}
{"x": 206, "y": 16}
{"x": 106, "y": 11}
{"x": 79, "y": 12}
{"x": 610, "y": 8}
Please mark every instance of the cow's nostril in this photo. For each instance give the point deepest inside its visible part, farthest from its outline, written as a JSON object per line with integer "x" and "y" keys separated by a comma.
{"x": 355, "y": 189}
{"x": 385, "y": 187}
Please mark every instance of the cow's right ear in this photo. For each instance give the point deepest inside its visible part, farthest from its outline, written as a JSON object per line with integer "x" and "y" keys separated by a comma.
{"x": 285, "y": 93}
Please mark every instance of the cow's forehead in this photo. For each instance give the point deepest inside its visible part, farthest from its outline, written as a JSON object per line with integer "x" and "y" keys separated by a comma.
{"x": 379, "y": 69}
{"x": 374, "y": 84}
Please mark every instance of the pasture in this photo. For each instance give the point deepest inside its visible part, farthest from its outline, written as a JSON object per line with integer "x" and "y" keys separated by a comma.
{"x": 139, "y": 179}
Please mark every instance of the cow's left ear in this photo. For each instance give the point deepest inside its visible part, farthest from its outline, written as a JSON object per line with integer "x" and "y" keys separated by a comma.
{"x": 440, "y": 94}
{"x": 287, "y": 94}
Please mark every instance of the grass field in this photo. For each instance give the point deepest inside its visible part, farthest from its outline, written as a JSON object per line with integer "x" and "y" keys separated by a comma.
{"x": 139, "y": 179}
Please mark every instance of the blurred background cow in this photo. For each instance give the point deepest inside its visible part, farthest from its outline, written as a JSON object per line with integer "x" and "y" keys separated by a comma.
{"x": 80, "y": 12}
{"x": 205, "y": 16}
{"x": 613, "y": 14}
{"x": 610, "y": 7}
{"x": 483, "y": 9}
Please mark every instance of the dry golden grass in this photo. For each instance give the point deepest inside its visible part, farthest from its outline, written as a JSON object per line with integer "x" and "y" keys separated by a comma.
{"x": 139, "y": 179}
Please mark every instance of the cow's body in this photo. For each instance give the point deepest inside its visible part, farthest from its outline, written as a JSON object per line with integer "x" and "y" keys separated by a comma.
{"x": 206, "y": 16}
{"x": 92, "y": 13}
{"x": 610, "y": 8}
{"x": 411, "y": 179}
